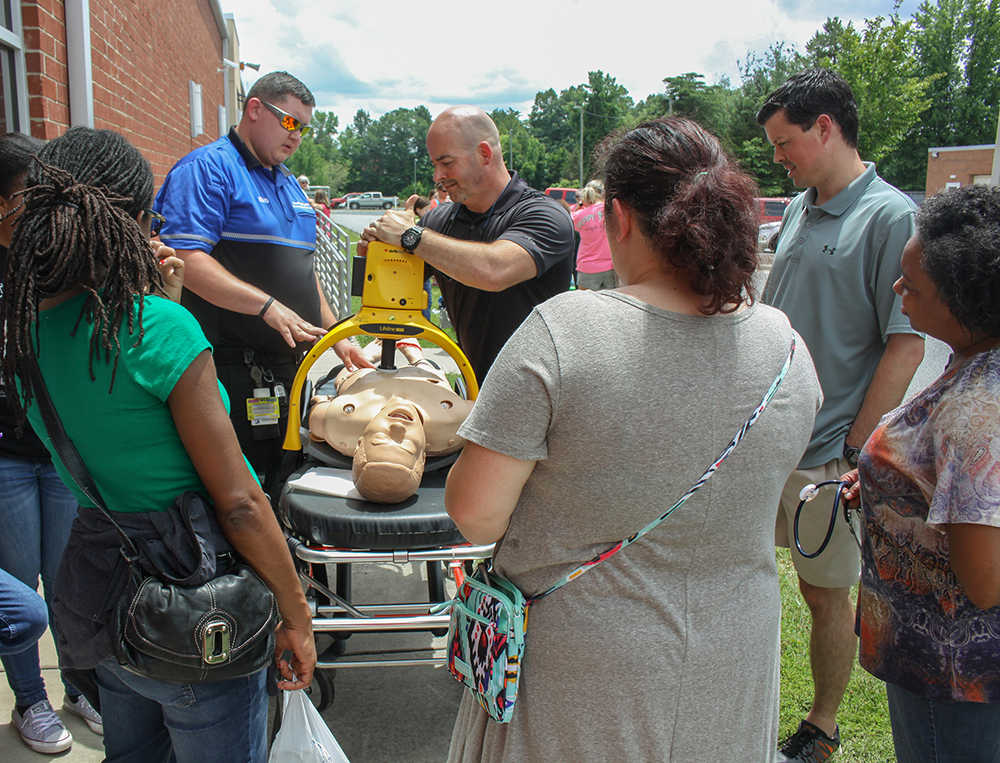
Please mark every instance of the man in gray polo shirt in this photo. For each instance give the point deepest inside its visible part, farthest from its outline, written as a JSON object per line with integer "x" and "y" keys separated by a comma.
{"x": 837, "y": 258}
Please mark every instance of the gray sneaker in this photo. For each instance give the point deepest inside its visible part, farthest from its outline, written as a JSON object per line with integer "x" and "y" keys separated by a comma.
{"x": 80, "y": 706}
{"x": 41, "y": 729}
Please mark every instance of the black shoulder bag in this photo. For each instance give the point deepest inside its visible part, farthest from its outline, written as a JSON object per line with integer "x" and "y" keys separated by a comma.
{"x": 163, "y": 629}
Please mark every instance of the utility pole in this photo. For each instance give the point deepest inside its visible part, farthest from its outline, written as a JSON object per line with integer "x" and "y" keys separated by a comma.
{"x": 581, "y": 144}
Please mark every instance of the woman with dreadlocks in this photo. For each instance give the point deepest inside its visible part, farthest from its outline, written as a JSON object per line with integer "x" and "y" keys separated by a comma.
{"x": 36, "y": 510}
{"x": 120, "y": 366}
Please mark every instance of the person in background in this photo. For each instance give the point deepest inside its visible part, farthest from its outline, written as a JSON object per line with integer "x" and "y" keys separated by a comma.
{"x": 564, "y": 456}
{"x": 321, "y": 202}
{"x": 36, "y": 510}
{"x": 833, "y": 274}
{"x": 594, "y": 268}
{"x": 23, "y": 615}
{"x": 125, "y": 370}
{"x": 929, "y": 483}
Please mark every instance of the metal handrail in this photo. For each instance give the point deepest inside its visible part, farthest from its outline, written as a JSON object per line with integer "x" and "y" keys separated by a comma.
{"x": 333, "y": 264}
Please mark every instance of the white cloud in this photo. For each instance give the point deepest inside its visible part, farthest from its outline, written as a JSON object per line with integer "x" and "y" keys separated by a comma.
{"x": 387, "y": 54}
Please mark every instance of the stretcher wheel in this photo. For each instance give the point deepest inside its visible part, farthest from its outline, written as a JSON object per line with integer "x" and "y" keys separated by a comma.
{"x": 321, "y": 691}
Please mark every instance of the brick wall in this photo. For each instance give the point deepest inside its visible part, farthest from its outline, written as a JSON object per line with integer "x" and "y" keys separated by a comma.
{"x": 44, "y": 24}
{"x": 143, "y": 52}
{"x": 959, "y": 165}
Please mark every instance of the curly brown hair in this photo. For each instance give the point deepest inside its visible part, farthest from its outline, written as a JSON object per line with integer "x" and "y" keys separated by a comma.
{"x": 691, "y": 202}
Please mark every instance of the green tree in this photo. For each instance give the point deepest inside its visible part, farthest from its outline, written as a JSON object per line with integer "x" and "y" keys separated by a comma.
{"x": 606, "y": 108}
{"x": 709, "y": 105}
{"x": 386, "y": 154}
{"x": 760, "y": 75}
{"x": 825, "y": 47}
{"x": 957, "y": 43}
{"x": 319, "y": 155}
{"x": 555, "y": 119}
{"x": 881, "y": 68}
{"x": 523, "y": 152}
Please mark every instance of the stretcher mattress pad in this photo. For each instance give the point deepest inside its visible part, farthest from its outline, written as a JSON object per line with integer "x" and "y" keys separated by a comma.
{"x": 419, "y": 522}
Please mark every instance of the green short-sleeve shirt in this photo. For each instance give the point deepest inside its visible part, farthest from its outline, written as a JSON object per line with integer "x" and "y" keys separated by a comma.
{"x": 127, "y": 438}
{"x": 833, "y": 274}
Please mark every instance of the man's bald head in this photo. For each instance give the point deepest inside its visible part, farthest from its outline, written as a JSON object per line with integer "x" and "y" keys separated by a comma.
{"x": 468, "y": 126}
{"x": 464, "y": 146}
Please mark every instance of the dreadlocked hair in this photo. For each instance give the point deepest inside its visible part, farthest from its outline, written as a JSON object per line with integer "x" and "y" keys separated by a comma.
{"x": 78, "y": 229}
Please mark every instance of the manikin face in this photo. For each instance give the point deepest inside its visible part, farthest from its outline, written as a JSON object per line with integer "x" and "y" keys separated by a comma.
{"x": 395, "y": 435}
{"x": 458, "y": 169}
{"x": 271, "y": 143}
{"x": 795, "y": 149}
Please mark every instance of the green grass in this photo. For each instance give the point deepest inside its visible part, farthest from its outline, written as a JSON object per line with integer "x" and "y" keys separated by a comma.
{"x": 864, "y": 715}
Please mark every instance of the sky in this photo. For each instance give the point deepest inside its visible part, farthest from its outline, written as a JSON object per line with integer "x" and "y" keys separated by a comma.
{"x": 379, "y": 55}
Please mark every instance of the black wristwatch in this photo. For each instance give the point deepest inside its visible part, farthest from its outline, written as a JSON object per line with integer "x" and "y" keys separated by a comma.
{"x": 411, "y": 238}
{"x": 851, "y": 455}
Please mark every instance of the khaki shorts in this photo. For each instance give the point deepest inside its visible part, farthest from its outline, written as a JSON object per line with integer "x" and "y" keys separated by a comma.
{"x": 839, "y": 566}
{"x": 596, "y": 281}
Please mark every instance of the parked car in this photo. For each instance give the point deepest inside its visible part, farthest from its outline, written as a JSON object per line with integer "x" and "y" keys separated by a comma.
{"x": 372, "y": 200}
{"x": 772, "y": 210}
{"x": 562, "y": 194}
{"x": 341, "y": 201}
{"x": 765, "y": 234}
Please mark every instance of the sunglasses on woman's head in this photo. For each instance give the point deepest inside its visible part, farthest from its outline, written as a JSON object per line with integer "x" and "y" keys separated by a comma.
{"x": 156, "y": 221}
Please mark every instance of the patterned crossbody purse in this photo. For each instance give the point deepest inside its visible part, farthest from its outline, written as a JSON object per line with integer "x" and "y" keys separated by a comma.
{"x": 489, "y": 615}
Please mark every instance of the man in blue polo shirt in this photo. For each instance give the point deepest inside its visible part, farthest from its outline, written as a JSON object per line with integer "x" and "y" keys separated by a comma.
{"x": 247, "y": 234}
{"x": 837, "y": 259}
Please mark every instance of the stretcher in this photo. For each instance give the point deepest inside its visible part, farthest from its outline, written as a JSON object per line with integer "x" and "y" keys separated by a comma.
{"x": 328, "y": 525}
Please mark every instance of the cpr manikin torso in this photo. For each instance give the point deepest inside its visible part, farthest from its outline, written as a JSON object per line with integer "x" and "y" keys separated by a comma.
{"x": 388, "y": 421}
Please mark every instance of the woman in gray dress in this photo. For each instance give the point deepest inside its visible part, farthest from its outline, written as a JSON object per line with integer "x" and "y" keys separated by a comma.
{"x": 600, "y": 412}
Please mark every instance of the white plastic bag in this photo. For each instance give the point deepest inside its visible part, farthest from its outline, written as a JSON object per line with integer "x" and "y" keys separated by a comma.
{"x": 304, "y": 736}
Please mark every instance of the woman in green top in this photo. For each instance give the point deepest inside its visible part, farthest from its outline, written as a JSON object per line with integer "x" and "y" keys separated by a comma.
{"x": 133, "y": 381}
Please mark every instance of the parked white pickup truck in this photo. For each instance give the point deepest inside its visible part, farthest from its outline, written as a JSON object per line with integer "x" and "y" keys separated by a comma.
{"x": 372, "y": 200}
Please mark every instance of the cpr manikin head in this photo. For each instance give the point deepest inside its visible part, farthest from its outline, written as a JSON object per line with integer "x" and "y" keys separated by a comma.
{"x": 390, "y": 420}
{"x": 389, "y": 459}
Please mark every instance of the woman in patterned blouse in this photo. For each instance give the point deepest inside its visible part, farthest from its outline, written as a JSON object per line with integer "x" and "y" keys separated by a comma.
{"x": 929, "y": 484}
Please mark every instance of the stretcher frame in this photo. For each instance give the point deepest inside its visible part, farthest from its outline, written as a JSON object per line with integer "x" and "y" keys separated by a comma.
{"x": 391, "y": 286}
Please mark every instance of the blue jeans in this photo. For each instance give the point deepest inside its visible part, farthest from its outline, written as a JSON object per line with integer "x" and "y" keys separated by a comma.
{"x": 935, "y": 731}
{"x": 147, "y": 721}
{"x": 36, "y": 513}
{"x": 22, "y": 616}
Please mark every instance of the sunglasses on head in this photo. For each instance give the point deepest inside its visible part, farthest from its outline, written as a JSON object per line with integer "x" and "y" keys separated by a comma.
{"x": 156, "y": 221}
{"x": 289, "y": 122}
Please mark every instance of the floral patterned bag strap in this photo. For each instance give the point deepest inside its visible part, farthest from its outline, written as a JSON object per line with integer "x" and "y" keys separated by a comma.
{"x": 589, "y": 565}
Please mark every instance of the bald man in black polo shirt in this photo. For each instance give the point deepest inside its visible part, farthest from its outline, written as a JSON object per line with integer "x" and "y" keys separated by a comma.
{"x": 500, "y": 249}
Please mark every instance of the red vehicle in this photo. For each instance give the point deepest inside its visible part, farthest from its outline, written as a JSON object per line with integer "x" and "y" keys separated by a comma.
{"x": 341, "y": 201}
{"x": 562, "y": 194}
{"x": 772, "y": 210}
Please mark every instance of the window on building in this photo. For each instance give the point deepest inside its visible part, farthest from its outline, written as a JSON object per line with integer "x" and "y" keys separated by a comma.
{"x": 14, "y": 103}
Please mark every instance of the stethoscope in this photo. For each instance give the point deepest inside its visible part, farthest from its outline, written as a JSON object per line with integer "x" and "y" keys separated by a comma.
{"x": 807, "y": 494}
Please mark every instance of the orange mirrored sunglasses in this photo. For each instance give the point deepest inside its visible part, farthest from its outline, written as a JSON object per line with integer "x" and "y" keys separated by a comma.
{"x": 289, "y": 122}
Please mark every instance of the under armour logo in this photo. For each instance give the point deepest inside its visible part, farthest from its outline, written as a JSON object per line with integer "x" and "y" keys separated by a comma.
{"x": 829, "y": 249}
